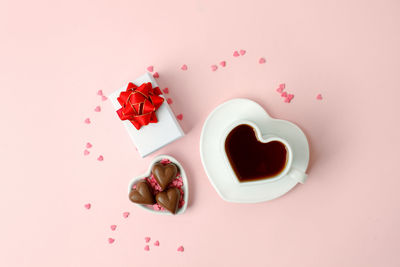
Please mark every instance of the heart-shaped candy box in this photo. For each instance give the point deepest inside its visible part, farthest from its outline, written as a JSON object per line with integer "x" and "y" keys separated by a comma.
{"x": 181, "y": 173}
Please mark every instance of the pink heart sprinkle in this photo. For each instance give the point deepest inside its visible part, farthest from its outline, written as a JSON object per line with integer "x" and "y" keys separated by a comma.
{"x": 100, "y": 158}
{"x": 147, "y": 239}
{"x": 184, "y": 67}
{"x": 147, "y": 248}
{"x": 290, "y": 96}
{"x": 179, "y": 117}
{"x": 86, "y": 152}
{"x": 223, "y": 63}
{"x": 287, "y": 100}
{"x": 166, "y": 90}
{"x": 150, "y": 68}
{"x": 157, "y": 243}
{"x": 156, "y": 75}
{"x": 284, "y": 94}
{"x": 88, "y": 145}
{"x": 236, "y": 54}
{"x": 214, "y": 67}
{"x": 111, "y": 240}
{"x": 113, "y": 227}
{"x": 88, "y": 206}
{"x": 125, "y": 214}
{"x": 181, "y": 249}
{"x": 319, "y": 97}
{"x": 97, "y": 109}
{"x": 103, "y": 98}
{"x": 279, "y": 90}
{"x": 261, "y": 60}
{"x": 87, "y": 121}
{"x": 100, "y": 92}
{"x": 282, "y": 85}
{"x": 169, "y": 101}
{"x": 242, "y": 52}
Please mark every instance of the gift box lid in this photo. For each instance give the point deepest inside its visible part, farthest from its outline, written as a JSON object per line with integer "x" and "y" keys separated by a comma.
{"x": 153, "y": 136}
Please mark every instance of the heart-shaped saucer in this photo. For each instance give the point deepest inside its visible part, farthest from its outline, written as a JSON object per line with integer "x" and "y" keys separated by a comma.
{"x": 214, "y": 158}
{"x": 185, "y": 186}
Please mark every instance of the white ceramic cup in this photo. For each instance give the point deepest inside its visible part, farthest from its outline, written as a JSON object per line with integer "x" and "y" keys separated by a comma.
{"x": 289, "y": 170}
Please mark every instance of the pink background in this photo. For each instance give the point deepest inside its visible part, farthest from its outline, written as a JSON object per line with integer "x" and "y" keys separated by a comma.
{"x": 54, "y": 57}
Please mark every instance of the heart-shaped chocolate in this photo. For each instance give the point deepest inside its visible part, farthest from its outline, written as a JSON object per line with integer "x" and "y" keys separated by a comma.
{"x": 251, "y": 159}
{"x": 142, "y": 194}
{"x": 164, "y": 174}
{"x": 169, "y": 199}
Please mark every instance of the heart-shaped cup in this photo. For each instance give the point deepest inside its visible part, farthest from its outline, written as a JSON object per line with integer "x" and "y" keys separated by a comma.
{"x": 287, "y": 168}
{"x": 185, "y": 186}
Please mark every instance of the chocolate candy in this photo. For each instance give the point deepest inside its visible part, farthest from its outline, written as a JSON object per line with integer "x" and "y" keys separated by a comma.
{"x": 142, "y": 194}
{"x": 169, "y": 199}
{"x": 164, "y": 174}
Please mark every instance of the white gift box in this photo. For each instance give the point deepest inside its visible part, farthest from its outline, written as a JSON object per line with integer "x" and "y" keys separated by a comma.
{"x": 153, "y": 136}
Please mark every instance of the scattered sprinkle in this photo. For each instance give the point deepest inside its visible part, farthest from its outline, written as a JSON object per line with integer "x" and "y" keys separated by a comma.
{"x": 223, "y": 64}
{"x": 146, "y": 248}
{"x": 113, "y": 227}
{"x": 156, "y": 75}
{"x": 319, "y": 97}
{"x": 166, "y": 90}
{"x": 86, "y": 152}
{"x": 214, "y": 67}
{"x": 88, "y": 206}
{"x": 97, "y": 109}
{"x": 100, "y": 92}
{"x": 236, "y": 54}
{"x": 261, "y": 60}
{"x": 150, "y": 68}
{"x": 169, "y": 101}
{"x": 111, "y": 240}
{"x": 279, "y": 90}
{"x": 88, "y": 145}
{"x": 157, "y": 243}
{"x": 184, "y": 67}
{"x": 179, "y": 117}
{"x": 282, "y": 85}
{"x": 103, "y": 98}
{"x": 125, "y": 214}
{"x": 180, "y": 249}
{"x": 147, "y": 239}
{"x": 284, "y": 94}
{"x": 289, "y": 98}
{"x": 100, "y": 158}
{"x": 242, "y": 52}
{"x": 87, "y": 121}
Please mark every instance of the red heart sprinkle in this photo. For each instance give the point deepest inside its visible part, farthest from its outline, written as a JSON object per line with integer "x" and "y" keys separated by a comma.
{"x": 157, "y": 243}
{"x": 166, "y": 90}
{"x": 279, "y": 90}
{"x": 100, "y": 92}
{"x": 290, "y": 96}
{"x": 125, "y": 214}
{"x": 242, "y": 52}
{"x": 156, "y": 75}
{"x": 86, "y": 152}
{"x": 319, "y": 97}
{"x": 100, "y": 158}
{"x": 150, "y": 68}
{"x": 97, "y": 109}
{"x": 113, "y": 227}
{"x": 147, "y": 239}
{"x": 103, "y": 98}
{"x": 236, "y": 54}
{"x": 214, "y": 67}
{"x": 180, "y": 249}
{"x": 282, "y": 86}
{"x": 184, "y": 67}
{"x": 87, "y": 121}
{"x": 88, "y": 206}
{"x": 223, "y": 63}
{"x": 111, "y": 240}
{"x": 179, "y": 117}
{"x": 147, "y": 248}
{"x": 169, "y": 101}
{"x": 88, "y": 145}
{"x": 261, "y": 60}
{"x": 284, "y": 94}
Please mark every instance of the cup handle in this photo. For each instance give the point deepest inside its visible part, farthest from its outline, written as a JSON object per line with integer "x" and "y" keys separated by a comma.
{"x": 298, "y": 175}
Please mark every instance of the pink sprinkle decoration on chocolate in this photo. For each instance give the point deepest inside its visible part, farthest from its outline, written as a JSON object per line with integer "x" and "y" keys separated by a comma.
{"x": 157, "y": 243}
{"x": 223, "y": 64}
{"x": 125, "y": 214}
{"x": 282, "y": 85}
{"x": 179, "y": 117}
{"x": 236, "y": 54}
{"x": 113, "y": 227}
{"x": 87, "y": 206}
{"x": 214, "y": 67}
{"x": 150, "y": 68}
{"x": 242, "y": 52}
{"x": 261, "y": 60}
{"x": 97, "y": 109}
{"x": 284, "y": 94}
{"x": 184, "y": 67}
{"x": 147, "y": 239}
{"x": 86, "y": 152}
{"x": 180, "y": 249}
{"x": 165, "y": 90}
{"x": 146, "y": 248}
{"x": 103, "y": 98}
{"x": 100, "y": 158}
{"x": 87, "y": 121}
{"x": 279, "y": 90}
{"x": 319, "y": 97}
{"x": 169, "y": 101}
{"x": 111, "y": 240}
{"x": 88, "y": 145}
{"x": 100, "y": 92}
{"x": 156, "y": 75}
{"x": 290, "y": 96}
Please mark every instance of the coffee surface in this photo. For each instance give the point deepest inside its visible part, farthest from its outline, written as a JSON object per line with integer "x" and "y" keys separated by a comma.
{"x": 251, "y": 159}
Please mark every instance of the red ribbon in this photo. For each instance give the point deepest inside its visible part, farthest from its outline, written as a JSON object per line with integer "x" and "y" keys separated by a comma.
{"x": 139, "y": 104}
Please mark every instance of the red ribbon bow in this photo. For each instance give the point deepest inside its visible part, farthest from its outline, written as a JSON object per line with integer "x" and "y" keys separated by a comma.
{"x": 139, "y": 104}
